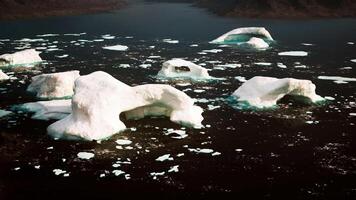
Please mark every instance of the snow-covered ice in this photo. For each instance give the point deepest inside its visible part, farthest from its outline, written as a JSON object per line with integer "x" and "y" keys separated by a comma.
{"x": 26, "y": 57}
{"x": 85, "y": 155}
{"x": 179, "y": 68}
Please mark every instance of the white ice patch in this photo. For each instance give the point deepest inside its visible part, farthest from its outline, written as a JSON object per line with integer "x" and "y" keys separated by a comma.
{"x": 240, "y": 78}
{"x": 353, "y": 60}
{"x": 281, "y": 65}
{"x": 123, "y": 142}
{"x": 58, "y": 172}
{"x": 85, "y": 155}
{"x": 75, "y": 34}
{"x": 108, "y": 37}
{"x": 337, "y": 79}
{"x": 3, "y": 76}
{"x": 24, "y": 58}
{"x": 164, "y": 158}
{"x": 255, "y": 43}
{"x": 170, "y": 41}
{"x": 48, "y": 35}
{"x": 293, "y": 53}
{"x": 117, "y": 48}
{"x": 212, "y": 51}
{"x": 180, "y": 134}
{"x": 198, "y": 150}
{"x": 173, "y": 169}
{"x": 3, "y": 113}
{"x": 62, "y": 56}
{"x": 55, "y": 85}
{"x": 264, "y": 92}
{"x": 263, "y": 64}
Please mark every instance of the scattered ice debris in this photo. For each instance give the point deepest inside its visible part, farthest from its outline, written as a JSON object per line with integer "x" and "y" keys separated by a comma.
{"x": 293, "y": 53}
{"x": 154, "y": 57}
{"x": 48, "y": 35}
{"x": 352, "y": 114}
{"x": 179, "y": 68}
{"x": 300, "y": 66}
{"x": 329, "y": 98}
{"x": 178, "y": 134}
{"x": 240, "y": 78}
{"x": 62, "y": 56}
{"x": 199, "y": 91}
{"x": 50, "y": 148}
{"x": 122, "y": 66}
{"x": 31, "y": 40}
{"x": 100, "y": 98}
{"x": 46, "y": 110}
{"x": 173, "y": 169}
{"x": 155, "y": 174}
{"x": 108, "y": 37}
{"x": 238, "y": 150}
{"x": 198, "y": 150}
{"x": 17, "y": 168}
{"x": 55, "y": 85}
{"x": 264, "y": 92}
{"x": 216, "y": 154}
{"x": 37, "y": 166}
{"x": 232, "y": 65}
{"x": 212, "y": 51}
{"x": 59, "y": 172}
{"x": 27, "y": 57}
{"x": 308, "y": 44}
{"x": 281, "y": 65}
{"x": 337, "y": 79}
{"x": 170, "y": 41}
{"x": 123, "y": 142}
{"x": 3, "y": 113}
{"x": 353, "y": 60}
{"x": 241, "y": 35}
{"x": 145, "y": 65}
{"x": 164, "y": 158}
{"x": 194, "y": 45}
{"x": 180, "y": 155}
{"x": 3, "y": 76}
{"x": 118, "y": 172}
{"x": 75, "y": 34}
{"x": 350, "y": 43}
{"x": 263, "y": 63}
{"x": 85, "y": 155}
{"x": 116, "y": 48}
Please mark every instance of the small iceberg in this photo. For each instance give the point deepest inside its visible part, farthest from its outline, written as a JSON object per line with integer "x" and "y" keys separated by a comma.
{"x": 250, "y": 37}
{"x": 293, "y": 53}
{"x": 55, "y": 85}
{"x": 99, "y": 100}
{"x": 179, "y": 68}
{"x": 264, "y": 92}
{"x": 3, "y": 76}
{"x": 27, "y": 57}
{"x": 117, "y": 48}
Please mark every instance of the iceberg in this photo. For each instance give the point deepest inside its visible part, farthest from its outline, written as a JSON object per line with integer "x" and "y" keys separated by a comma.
{"x": 26, "y": 57}
{"x": 3, "y": 76}
{"x": 55, "y": 85}
{"x": 99, "y": 100}
{"x": 250, "y": 36}
{"x": 179, "y": 68}
{"x": 116, "y": 48}
{"x": 264, "y": 92}
{"x": 46, "y": 110}
{"x": 293, "y": 53}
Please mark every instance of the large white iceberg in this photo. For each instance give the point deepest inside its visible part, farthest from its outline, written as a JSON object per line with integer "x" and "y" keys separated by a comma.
{"x": 241, "y": 36}
{"x": 25, "y": 57}
{"x": 264, "y": 92}
{"x": 55, "y": 85}
{"x": 99, "y": 100}
{"x": 3, "y": 76}
{"x": 179, "y": 68}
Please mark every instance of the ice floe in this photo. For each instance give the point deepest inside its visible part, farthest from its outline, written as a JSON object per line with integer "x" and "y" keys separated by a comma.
{"x": 24, "y": 58}
{"x": 85, "y": 155}
{"x": 353, "y": 60}
{"x": 46, "y": 110}
{"x": 4, "y": 113}
{"x": 55, "y": 85}
{"x": 293, "y": 53}
{"x": 179, "y": 68}
{"x": 123, "y": 142}
{"x": 337, "y": 79}
{"x": 117, "y": 48}
{"x": 170, "y": 41}
{"x": 164, "y": 158}
{"x": 264, "y": 92}
{"x": 3, "y": 76}
{"x": 100, "y": 98}
{"x": 176, "y": 134}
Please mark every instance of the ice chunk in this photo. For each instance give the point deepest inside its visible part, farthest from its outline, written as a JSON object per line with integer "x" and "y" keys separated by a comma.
{"x": 198, "y": 150}
{"x": 48, "y": 35}
{"x": 264, "y": 92}
{"x": 62, "y": 56}
{"x": 337, "y": 79}
{"x": 164, "y": 158}
{"x": 123, "y": 142}
{"x": 45, "y": 110}
{"x": 116, "y": 48}
{"x": 293, "y": 53}
{"x": 353, "y": 60}
{"x": 255, "y": 43}
{"x": 99, "y": 99}
{"x": 242, "y": 35}
{"x": 263, "y": 63}
{"x": 26, "y": 57}
{"x": 3, "y": 76}
{"x": 179, "y": 68}
{"x": 85, "y": 155}
{"x": 55, "y": 85}
{"x": 170, "y": 41}
{"x": 173, "y": 169}
{"x": 3, "y": 113}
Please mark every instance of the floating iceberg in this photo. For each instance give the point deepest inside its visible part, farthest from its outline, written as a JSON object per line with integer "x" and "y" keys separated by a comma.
{"x": 255, "y": 37}
{"x": 3, "y": 76}
{"x": 293, "y": 53}
{"x": 25, "y": 57}
{"x": 116, "y": 48}
{"x": 99, "y": 99}
{"x": 179, "y": 68}
{"x": 56, "y": 85}
{"x": 46, "y": 110}
{"x": 264, "y": 92}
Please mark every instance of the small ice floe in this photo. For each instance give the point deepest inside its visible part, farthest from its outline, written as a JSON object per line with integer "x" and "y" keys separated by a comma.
{"x": 58, "y": 172}
{"x": 3, "y": 76}
{"x": 350, "y": 43}
{"x": 48, "y": 35}
{"x": 281, "y": 65}
{"x": 55, "y": 85}
{"x": 263, "y": 63}
{"x": 4, "y": 113}
{"x": 238, "y": 150}
{"x": 155, "y": 174}
{"x": 300, "y": 66}
{"x": 75, "y": 34}
{"x": 145, "y": 65}
{"x": 179, "y": 68}
{"x": 154, "y": 57}
{"x": 352, "y": 114}
{"x": 353, "y": 60}
{"x": 240, "y": 78}
{"x": 62, "y": 56}
{"x": 194, "y": 45}
{"x": 293, "y": 53}
{"x": 307, "y": 44}
{"x": 170, "y": 41}
{"x": 164, "y": 158}
{"x": 173, "y": 169}
{"x": 123, "y": 142}
{"x": 30, "y": 40}
{"x": 329, "y": 98}
{"x": 198, "y": 150}
{"x": 178, "y": 134}
{"x": 337, "y": 79}
{"x": 116, "y": 48}
{"x": 216, "y": 154}
{"x": 229, "y": 65}
{"x": 198, "y": 91}
{"x": 46, "y": 110}
{"x": 212, "y": 107}
{"x": 264, "y": 92}
{"x": 122, "y": 66}
{"x": 37, "y": 166}
{"x": 27, "y": 57}
{"x": 212, "y": 51}
{"x": 108, "y": 37}
{"x": 118, "y": 172}
{"x": 17, "y": 168}
{"x": 85, "y": 155}
{"x": 251, "y": 37}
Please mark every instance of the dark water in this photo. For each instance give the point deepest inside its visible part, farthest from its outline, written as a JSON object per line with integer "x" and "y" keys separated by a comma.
{"x": 294, "y": 152}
